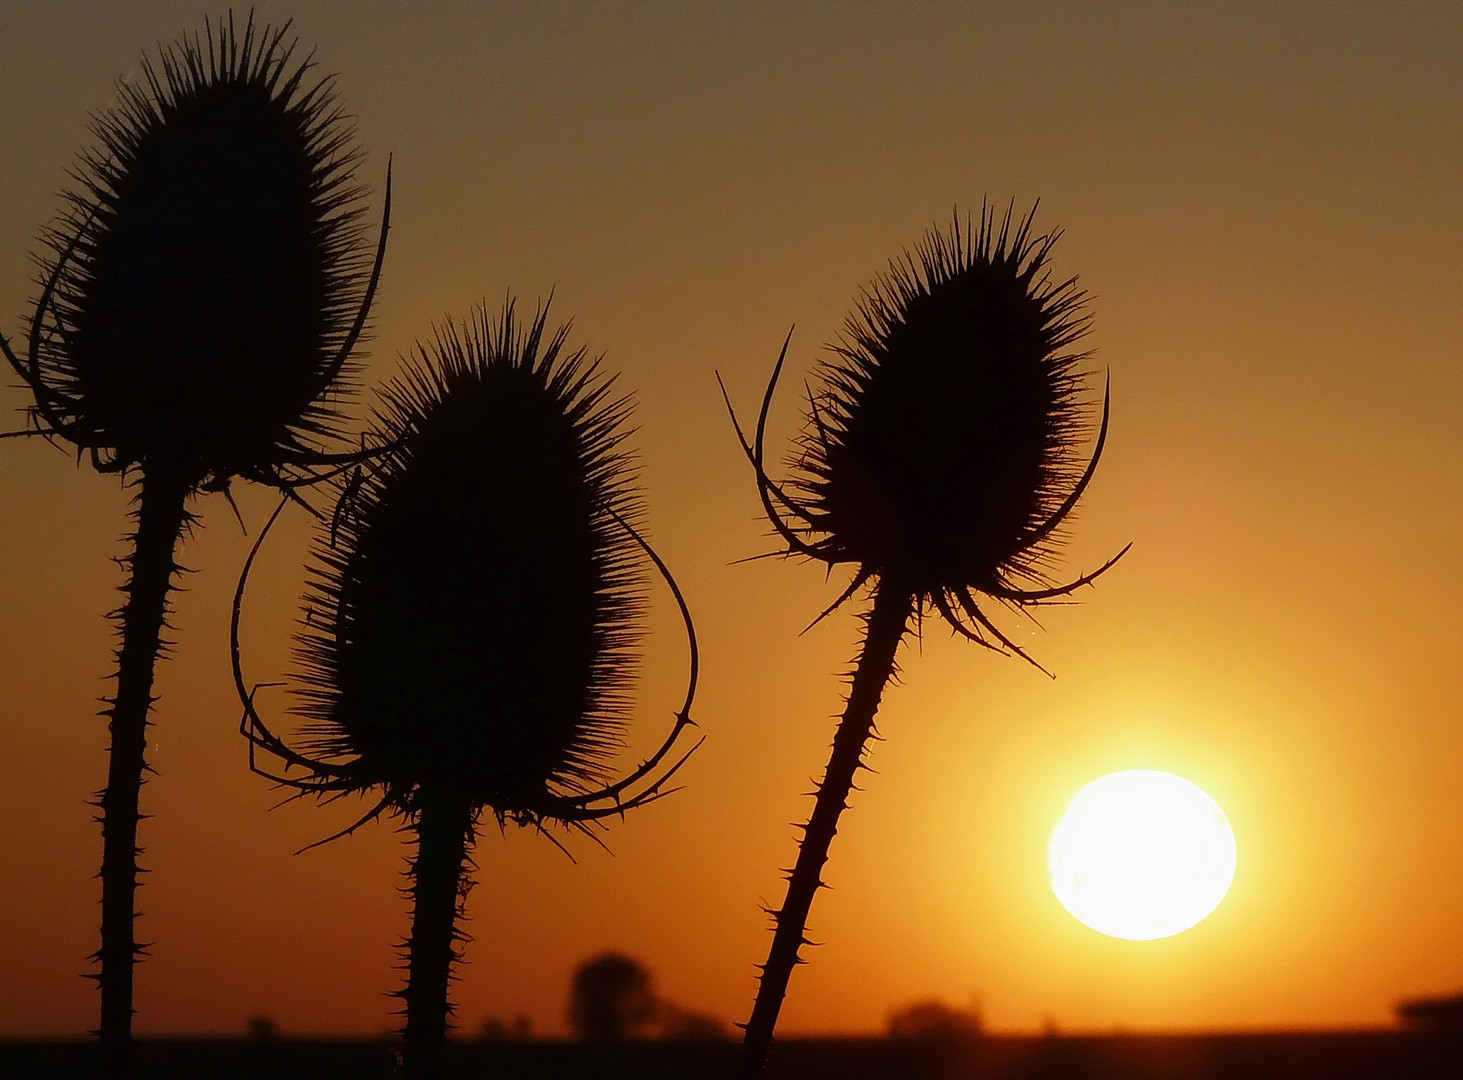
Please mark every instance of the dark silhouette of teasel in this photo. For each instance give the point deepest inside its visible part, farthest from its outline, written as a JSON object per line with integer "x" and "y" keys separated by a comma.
{"x": 198, "y": 305}
{"x": 941, "y": 459}
{"x": 472, "y": 625}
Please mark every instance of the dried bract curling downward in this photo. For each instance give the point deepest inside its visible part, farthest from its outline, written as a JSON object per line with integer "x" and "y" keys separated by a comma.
{"x": 211, "y": 277}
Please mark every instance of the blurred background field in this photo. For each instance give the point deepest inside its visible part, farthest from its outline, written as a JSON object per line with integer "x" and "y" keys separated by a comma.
{"x": 1352, "y": 1055}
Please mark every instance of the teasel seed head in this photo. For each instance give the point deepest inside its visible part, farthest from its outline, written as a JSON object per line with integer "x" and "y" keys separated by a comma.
{"x": 474, "y": 607}
{"x": 941, "y": 449}
{"x": 208, "y": 283}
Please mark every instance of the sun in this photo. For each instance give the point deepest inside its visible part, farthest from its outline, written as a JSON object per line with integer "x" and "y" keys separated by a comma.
{"x": 1141, "y": 855}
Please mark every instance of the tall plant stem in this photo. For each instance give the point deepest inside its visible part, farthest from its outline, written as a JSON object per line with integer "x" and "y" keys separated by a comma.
{"x": 160, "y": 520}
{"x": 885, "y": 628}
{"x": 444, "y": 826}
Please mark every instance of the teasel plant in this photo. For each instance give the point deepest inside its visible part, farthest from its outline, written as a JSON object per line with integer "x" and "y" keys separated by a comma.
{"x": 198, "y": 308}
{"x": 941, "y": 461}
{"x": 471, "y": 628}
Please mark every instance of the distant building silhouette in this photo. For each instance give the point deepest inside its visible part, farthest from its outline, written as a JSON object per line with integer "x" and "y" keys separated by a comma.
{"x": 1432, "y": 1012}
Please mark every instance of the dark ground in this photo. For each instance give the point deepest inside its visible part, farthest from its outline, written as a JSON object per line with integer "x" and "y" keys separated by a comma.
{"x": 1358, "y": 1055}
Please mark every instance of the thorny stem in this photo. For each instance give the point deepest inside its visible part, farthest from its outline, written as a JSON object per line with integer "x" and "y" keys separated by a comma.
{"x": 161, "y": 518}
{"x": 444, "y": 827}
{"x": 885, "y": 628}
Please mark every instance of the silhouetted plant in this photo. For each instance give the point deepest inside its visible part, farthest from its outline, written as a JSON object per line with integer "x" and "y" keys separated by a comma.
{"x": 472, "y": 624}
{"x": 202, "y": 295}
{"x": 940, "y": 460}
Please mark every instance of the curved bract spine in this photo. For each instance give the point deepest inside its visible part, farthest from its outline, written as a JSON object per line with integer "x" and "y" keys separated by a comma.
{"x": 473, "y": 623}
{"x": 197, "y": 313}
{"x": 940, "y": 460}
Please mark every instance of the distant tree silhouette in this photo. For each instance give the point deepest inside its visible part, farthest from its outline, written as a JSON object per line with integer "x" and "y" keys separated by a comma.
{"x": 204, "y": 292}
{"x": 495, "y": 1029}
{"x": 262, "y": 1027}
{"x": 939, "y": 459}
{"x": 473, "y": 621}
{"x": 612, "y": 997}
{"x": 930, "y": 1018}
{"x": 676, "y": 1023}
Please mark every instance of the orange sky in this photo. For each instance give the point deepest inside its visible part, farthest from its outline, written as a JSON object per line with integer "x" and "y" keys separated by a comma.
{"x": 1264, "y": 202}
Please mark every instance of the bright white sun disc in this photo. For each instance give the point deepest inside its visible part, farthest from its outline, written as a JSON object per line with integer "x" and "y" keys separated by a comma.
{"x": 1141, "y": 855}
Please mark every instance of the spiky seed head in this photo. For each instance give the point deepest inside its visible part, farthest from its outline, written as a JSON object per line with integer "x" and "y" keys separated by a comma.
{"x": 475, "y": 616}
{"x": 211, "y": 264}
{"x": 943, "y": 434}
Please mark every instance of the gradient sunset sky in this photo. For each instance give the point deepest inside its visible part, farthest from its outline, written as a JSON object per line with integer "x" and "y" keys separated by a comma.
{"x": 1264, "y": 201}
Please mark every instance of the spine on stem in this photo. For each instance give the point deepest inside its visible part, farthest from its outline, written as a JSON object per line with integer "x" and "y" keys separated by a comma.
{"x": 161, "y": 517}
{"x": 439, "y": 886}
{"x": 885, "y": 628}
